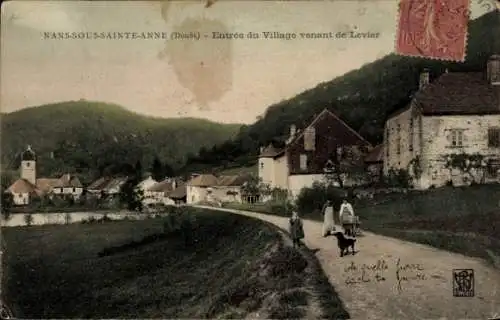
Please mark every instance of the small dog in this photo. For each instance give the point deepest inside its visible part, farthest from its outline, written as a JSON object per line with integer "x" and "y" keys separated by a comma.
{"x": 344, "y": 243}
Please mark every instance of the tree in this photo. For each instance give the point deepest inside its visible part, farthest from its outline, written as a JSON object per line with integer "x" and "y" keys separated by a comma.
{"x": 157, "y": 170}
{"x": 131, "y": 196}
{"x": 138, "y": 169}
{"x": 470, "y": 165}
{"x": 7, "y": 202}
{"x": 346, "y": 163}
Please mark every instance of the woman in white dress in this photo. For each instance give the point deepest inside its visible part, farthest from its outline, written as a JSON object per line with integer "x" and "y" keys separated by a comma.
{"x": 328, "y": 224}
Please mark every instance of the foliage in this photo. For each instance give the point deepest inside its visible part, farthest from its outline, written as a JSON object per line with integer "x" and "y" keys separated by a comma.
{"x": 470, "y": 165}
{"x": 311, "y": 200}
{"x": 346, "y": 164}
{"x": 7, "y": 203}
{"x": 398, "y": 178}
{"x": 415, "y": 167}
{"x": 28, "y": 219}
{"x": 362, "y": 98}
{"x": 93, "y": 138}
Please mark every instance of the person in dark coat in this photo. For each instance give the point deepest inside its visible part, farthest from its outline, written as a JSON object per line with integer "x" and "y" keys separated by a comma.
{"x": 296, "y": 229}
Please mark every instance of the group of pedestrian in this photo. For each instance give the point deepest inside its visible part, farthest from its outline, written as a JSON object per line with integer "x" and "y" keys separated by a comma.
{"x": 297, "y": 228}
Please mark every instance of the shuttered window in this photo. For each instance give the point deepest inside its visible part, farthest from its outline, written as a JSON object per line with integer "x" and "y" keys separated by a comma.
{"x": 494, "y": 137}
{"x": 303, "y": 162}
{"x": 310, "y": 139}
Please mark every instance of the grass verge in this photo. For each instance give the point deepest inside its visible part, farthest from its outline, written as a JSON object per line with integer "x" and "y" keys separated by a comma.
{"x": 219, "y": 265}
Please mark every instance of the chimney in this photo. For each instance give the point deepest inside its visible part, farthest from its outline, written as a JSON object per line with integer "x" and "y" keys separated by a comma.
{"x": 293, "y": 130}
{"x": 424, "y": 79}
{"x": 174, "y": 184}
{"x": 493, "y": 70}
{"x": 261, "y": 149}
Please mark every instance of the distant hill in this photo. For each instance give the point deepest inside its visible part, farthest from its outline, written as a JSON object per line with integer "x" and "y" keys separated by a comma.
{"x": 362, "y": 97}
{"x": 90, "y": 136}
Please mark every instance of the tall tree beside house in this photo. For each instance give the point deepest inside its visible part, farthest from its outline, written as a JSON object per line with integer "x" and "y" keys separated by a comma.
{"x": 157, "y": 170}
{"x": 346, "y": 162}
{"x": 7, "y": 201}
{"x": 130, "y": 195}
{"x": 138, "y": 169}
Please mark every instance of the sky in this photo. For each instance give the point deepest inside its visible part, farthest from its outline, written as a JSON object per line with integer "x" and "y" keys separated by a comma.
{"x": 224, "y": 80}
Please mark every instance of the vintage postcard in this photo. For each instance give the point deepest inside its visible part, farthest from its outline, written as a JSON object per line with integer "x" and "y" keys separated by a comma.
{"x": 250, "y": 159}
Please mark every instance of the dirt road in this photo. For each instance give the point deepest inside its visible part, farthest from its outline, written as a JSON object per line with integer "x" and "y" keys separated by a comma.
{"x": 374, "y": 285}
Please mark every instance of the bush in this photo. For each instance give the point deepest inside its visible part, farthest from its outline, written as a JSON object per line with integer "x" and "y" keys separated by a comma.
{"x": 312, "y": 199}
{"x": 28, "y": 219}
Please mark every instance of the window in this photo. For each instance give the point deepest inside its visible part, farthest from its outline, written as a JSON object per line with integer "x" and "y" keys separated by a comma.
{"x": 457, "y": 138}
{"x": 74, "y": 189}
{"x": 410, "y": 138}
{"x": 310, "y": 139}
{"x": 262, "y": 165}
{"x": 27, "y": 164}
{"x": 494, "y": 138}
{"x": 303, "y": 162}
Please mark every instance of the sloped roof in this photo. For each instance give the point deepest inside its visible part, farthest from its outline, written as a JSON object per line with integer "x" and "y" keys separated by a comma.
{"x": 203, "y": 180}
{"x": 232, "y": 181}
{"x": 115, "y": 183}
{"x": 341, "y": 129}
{"x": 99, "y": 184}
{"x": 47, "y": 184}
{"x": 459, "y": 93}
{"x": 178, "y": 193}
{"x": 163, "y": 186}
{"x": 23, "y": 186}
{"x": 375, "y": 155}
{"x": 67, "y": 180}
{"x": 270, "y": 152}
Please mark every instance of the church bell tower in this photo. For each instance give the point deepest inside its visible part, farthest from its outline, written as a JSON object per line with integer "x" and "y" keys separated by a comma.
{"x": 28, "y": 165}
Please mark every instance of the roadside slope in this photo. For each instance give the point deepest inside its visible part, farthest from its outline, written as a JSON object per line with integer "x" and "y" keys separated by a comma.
{"x": 421, "y": 287}
{"x": 213, "y": 265}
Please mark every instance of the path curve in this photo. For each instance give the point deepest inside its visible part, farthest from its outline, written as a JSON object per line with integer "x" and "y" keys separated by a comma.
{"x": 413, "y": 294}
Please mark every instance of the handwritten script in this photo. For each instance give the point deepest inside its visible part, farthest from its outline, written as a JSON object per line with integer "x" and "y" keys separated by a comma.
{"x": 381, "y": 271}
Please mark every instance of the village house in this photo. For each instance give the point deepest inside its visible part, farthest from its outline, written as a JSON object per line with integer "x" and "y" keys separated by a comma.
{"x": 229, "y": 188}
{"x": 28, "y": 186}
{"x": 144, "y": 186}
{"x": 108, "y": 186}
{"x": 456, "y": 114}
{"x": 159, "y": 192}
{"x": 311, "y": 154}
{"x": 200, "y": 188}
{"x": 179, "y": 194}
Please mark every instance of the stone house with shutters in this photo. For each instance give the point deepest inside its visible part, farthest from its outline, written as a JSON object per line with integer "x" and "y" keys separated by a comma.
{"x": 310, "y": 154}
{"x": 457, "y": 113}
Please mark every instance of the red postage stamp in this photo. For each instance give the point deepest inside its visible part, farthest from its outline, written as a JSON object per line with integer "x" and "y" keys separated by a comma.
{"x": 433, "y": 29}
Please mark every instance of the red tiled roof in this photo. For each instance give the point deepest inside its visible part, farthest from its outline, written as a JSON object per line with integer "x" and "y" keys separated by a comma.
{"x": 232, "y": 181}
{"x": 23, "y": 186}
{"x": 375, "y": 155}
{"x": 203, "y": 180}
{"x": 179, "y": 192}
{"x": 46, "y": 184}
{"x": 164, "y": 186}
{"x": 459, "y": 93}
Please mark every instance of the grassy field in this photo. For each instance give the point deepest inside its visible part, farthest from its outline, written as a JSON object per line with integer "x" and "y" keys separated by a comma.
{"x": 464, "y": 220}
{"x": 218, "y": 265}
